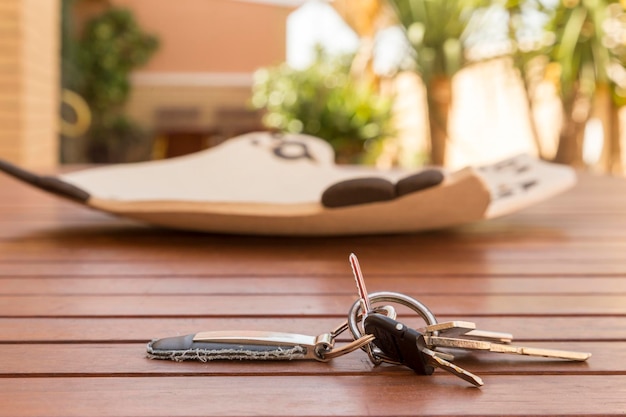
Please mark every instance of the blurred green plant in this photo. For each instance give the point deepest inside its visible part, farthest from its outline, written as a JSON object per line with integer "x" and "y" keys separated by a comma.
{"x": 98, "y": 67}
{"x": 324, "y": 101}
{"x": 437, "y": 31}
{"x": 112, "y": 45}
{"x": 583, "y": 45}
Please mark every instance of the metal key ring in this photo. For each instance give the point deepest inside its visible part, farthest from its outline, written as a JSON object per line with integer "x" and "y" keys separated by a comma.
{"x": 388, "y": 296}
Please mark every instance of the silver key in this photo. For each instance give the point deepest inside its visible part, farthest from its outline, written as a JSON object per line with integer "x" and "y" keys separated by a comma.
{"x": 469, "y": 344}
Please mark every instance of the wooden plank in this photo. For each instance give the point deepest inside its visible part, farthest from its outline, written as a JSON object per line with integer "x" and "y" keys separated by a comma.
{"x": 397, "y": 395}
{"x": 36, "y": 254}
{"x": 476, "y": 285}
{"x": 88, "y": 360}
{"x": 139, "y": 244}
{"x": 94, "y": 289}
{"x": 297, "y": 306}
{"x": 567, "y": 265}
{"x": 438, "y": 252}
{"x": 121, "y": 241}
{"x": 107, "y": 330}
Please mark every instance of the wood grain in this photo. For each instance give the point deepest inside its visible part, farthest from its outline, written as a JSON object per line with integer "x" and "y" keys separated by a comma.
{"x": 297, "y": 306}
{"x": 288, "y": 286}
{"x": 406, "y": 395}
{"x": 129, "y": 359}
{"x": 82, "y": 292}
{"x": 107, "y": 330}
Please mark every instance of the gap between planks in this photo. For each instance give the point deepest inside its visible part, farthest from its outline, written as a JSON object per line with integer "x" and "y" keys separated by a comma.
{"x": 383, "y": 395}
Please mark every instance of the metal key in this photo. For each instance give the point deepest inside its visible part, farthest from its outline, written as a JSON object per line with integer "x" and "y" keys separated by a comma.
{"x": 469, "y": 344}
{"x": 366, "y": 306}
{"x": 464, "y": 335}
{"x": 465, "y": 330}
{"x": 408, "y": 347}
{"x": 360, "y": 285}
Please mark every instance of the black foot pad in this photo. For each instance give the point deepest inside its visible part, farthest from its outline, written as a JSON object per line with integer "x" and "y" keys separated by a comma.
{"x": 374, "y": 189}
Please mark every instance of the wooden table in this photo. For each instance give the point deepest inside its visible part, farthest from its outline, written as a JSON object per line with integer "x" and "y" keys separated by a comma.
{"x": 81, "y": 293}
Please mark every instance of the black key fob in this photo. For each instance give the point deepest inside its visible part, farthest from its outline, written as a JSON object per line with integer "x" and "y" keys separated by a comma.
{"x": 399, "y": 342}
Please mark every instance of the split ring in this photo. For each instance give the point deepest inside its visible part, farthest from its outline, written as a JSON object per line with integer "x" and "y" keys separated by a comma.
{"x": 390, "y": 297}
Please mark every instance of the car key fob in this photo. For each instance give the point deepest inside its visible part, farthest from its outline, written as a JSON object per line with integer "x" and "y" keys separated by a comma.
{"x": 399, "y": 342}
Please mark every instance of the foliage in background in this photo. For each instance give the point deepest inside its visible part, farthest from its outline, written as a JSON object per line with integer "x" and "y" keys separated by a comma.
{"x": 112, "y": 45}
{"x": 584, "y": 46}
{"x": 324, "y": 101}
{"x": 97, "y": 65}
{"x": 579, "y": 45}
{"x": 437, "y": 32}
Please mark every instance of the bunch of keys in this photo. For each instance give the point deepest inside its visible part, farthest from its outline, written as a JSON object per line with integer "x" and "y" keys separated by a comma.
{"x": 374, "y": 329}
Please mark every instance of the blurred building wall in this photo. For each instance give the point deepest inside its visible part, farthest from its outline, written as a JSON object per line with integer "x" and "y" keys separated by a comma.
{"x": 212, "y": 35}
{"x": 29, "y": 82}
{"x": 209, "y": 50}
